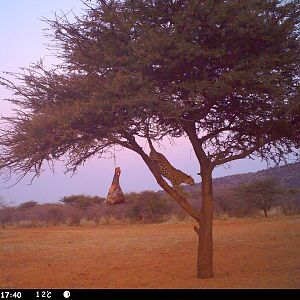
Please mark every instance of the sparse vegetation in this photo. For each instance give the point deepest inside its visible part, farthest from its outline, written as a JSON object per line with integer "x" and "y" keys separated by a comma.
{"x": 145, "y": 207}
{"x": 231, "y": 200}
{"x": 290, "y": 201}
{"x": 149, "y": 207}
{"x": 27, "y": 205}
{"x": 82, "y": 201}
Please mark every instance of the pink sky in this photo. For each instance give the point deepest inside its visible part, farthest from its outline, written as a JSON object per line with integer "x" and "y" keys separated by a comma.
{"x": 23, "y": 43}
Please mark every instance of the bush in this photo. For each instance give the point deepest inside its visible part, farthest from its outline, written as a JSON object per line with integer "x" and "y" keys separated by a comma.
{"x": 82, "y": 201}
{"x": 148, "y": 207}
{"x": 27, "y": 205}
{"x": 7, "y": 215}
{"x": 56, "y": 215}
{"x": 143, "y": 207}
{"x": 75, "y": 215}
{"x": 290, "y": 201}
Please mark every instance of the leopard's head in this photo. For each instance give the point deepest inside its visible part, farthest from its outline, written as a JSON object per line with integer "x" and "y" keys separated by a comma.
{"x": 190, "y": 180}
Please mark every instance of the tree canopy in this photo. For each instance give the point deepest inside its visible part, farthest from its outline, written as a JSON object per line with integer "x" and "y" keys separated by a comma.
{"x": 224, "y": 71}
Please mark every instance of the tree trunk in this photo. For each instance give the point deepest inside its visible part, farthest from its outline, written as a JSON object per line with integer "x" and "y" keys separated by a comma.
{"x": 205, "y": 247}
{"x": 266, "y": 213}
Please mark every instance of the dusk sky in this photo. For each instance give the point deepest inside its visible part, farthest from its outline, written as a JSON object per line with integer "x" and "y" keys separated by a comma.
{"x": 23, "y": 43}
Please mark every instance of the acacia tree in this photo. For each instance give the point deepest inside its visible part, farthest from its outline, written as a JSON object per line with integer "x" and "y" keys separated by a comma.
{"x": 262, "y": 193}
{"x": 222, "y": 73}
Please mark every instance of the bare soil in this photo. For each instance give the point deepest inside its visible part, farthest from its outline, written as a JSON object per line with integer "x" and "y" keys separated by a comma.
{"x": 248, "y": 253}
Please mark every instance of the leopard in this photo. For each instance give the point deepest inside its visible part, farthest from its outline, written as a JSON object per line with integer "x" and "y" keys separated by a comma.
{"x": 175, "y": 176}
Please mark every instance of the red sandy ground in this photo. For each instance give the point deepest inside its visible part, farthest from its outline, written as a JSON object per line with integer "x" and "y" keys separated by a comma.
{"x": 252, "y": 253}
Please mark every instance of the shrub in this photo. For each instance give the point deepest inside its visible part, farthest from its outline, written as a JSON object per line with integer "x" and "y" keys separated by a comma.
{"x": 75, "y": 215}
{"x": 82, "y": 201}
{"x": 148, "y": 207}
{"x": 56, "y": 215}
{"x": 7, "y": 215}
{"x": 27, "y": 205}
{"x": 290, "y": 201}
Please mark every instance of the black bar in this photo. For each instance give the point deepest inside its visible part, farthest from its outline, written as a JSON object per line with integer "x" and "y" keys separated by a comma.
{"x": 152, "y": 294}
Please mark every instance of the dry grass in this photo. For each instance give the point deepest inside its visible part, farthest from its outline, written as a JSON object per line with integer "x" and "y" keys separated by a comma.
{"x": 262, "y": 253}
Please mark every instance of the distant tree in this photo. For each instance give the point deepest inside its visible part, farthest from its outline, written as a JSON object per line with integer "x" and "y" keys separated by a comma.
{"x": 224, "y": 198}
{"x": 147, "y": 206}
{"x": 262, "y": 193}
{"x": 82, "y": 201}
{"x": 290, "y": 201}
{"x": 225, "y": 74}
{"x": 27, "y": 205}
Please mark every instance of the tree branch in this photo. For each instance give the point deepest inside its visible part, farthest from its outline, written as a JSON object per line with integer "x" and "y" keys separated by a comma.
{"x": 155, "y": 171}
{"x": 190, "y": 130}
{"x": 241, "y": 155}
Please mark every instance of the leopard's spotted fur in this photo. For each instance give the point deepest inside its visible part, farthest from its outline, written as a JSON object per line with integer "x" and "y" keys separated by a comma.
{"x": 175, "y": 176}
